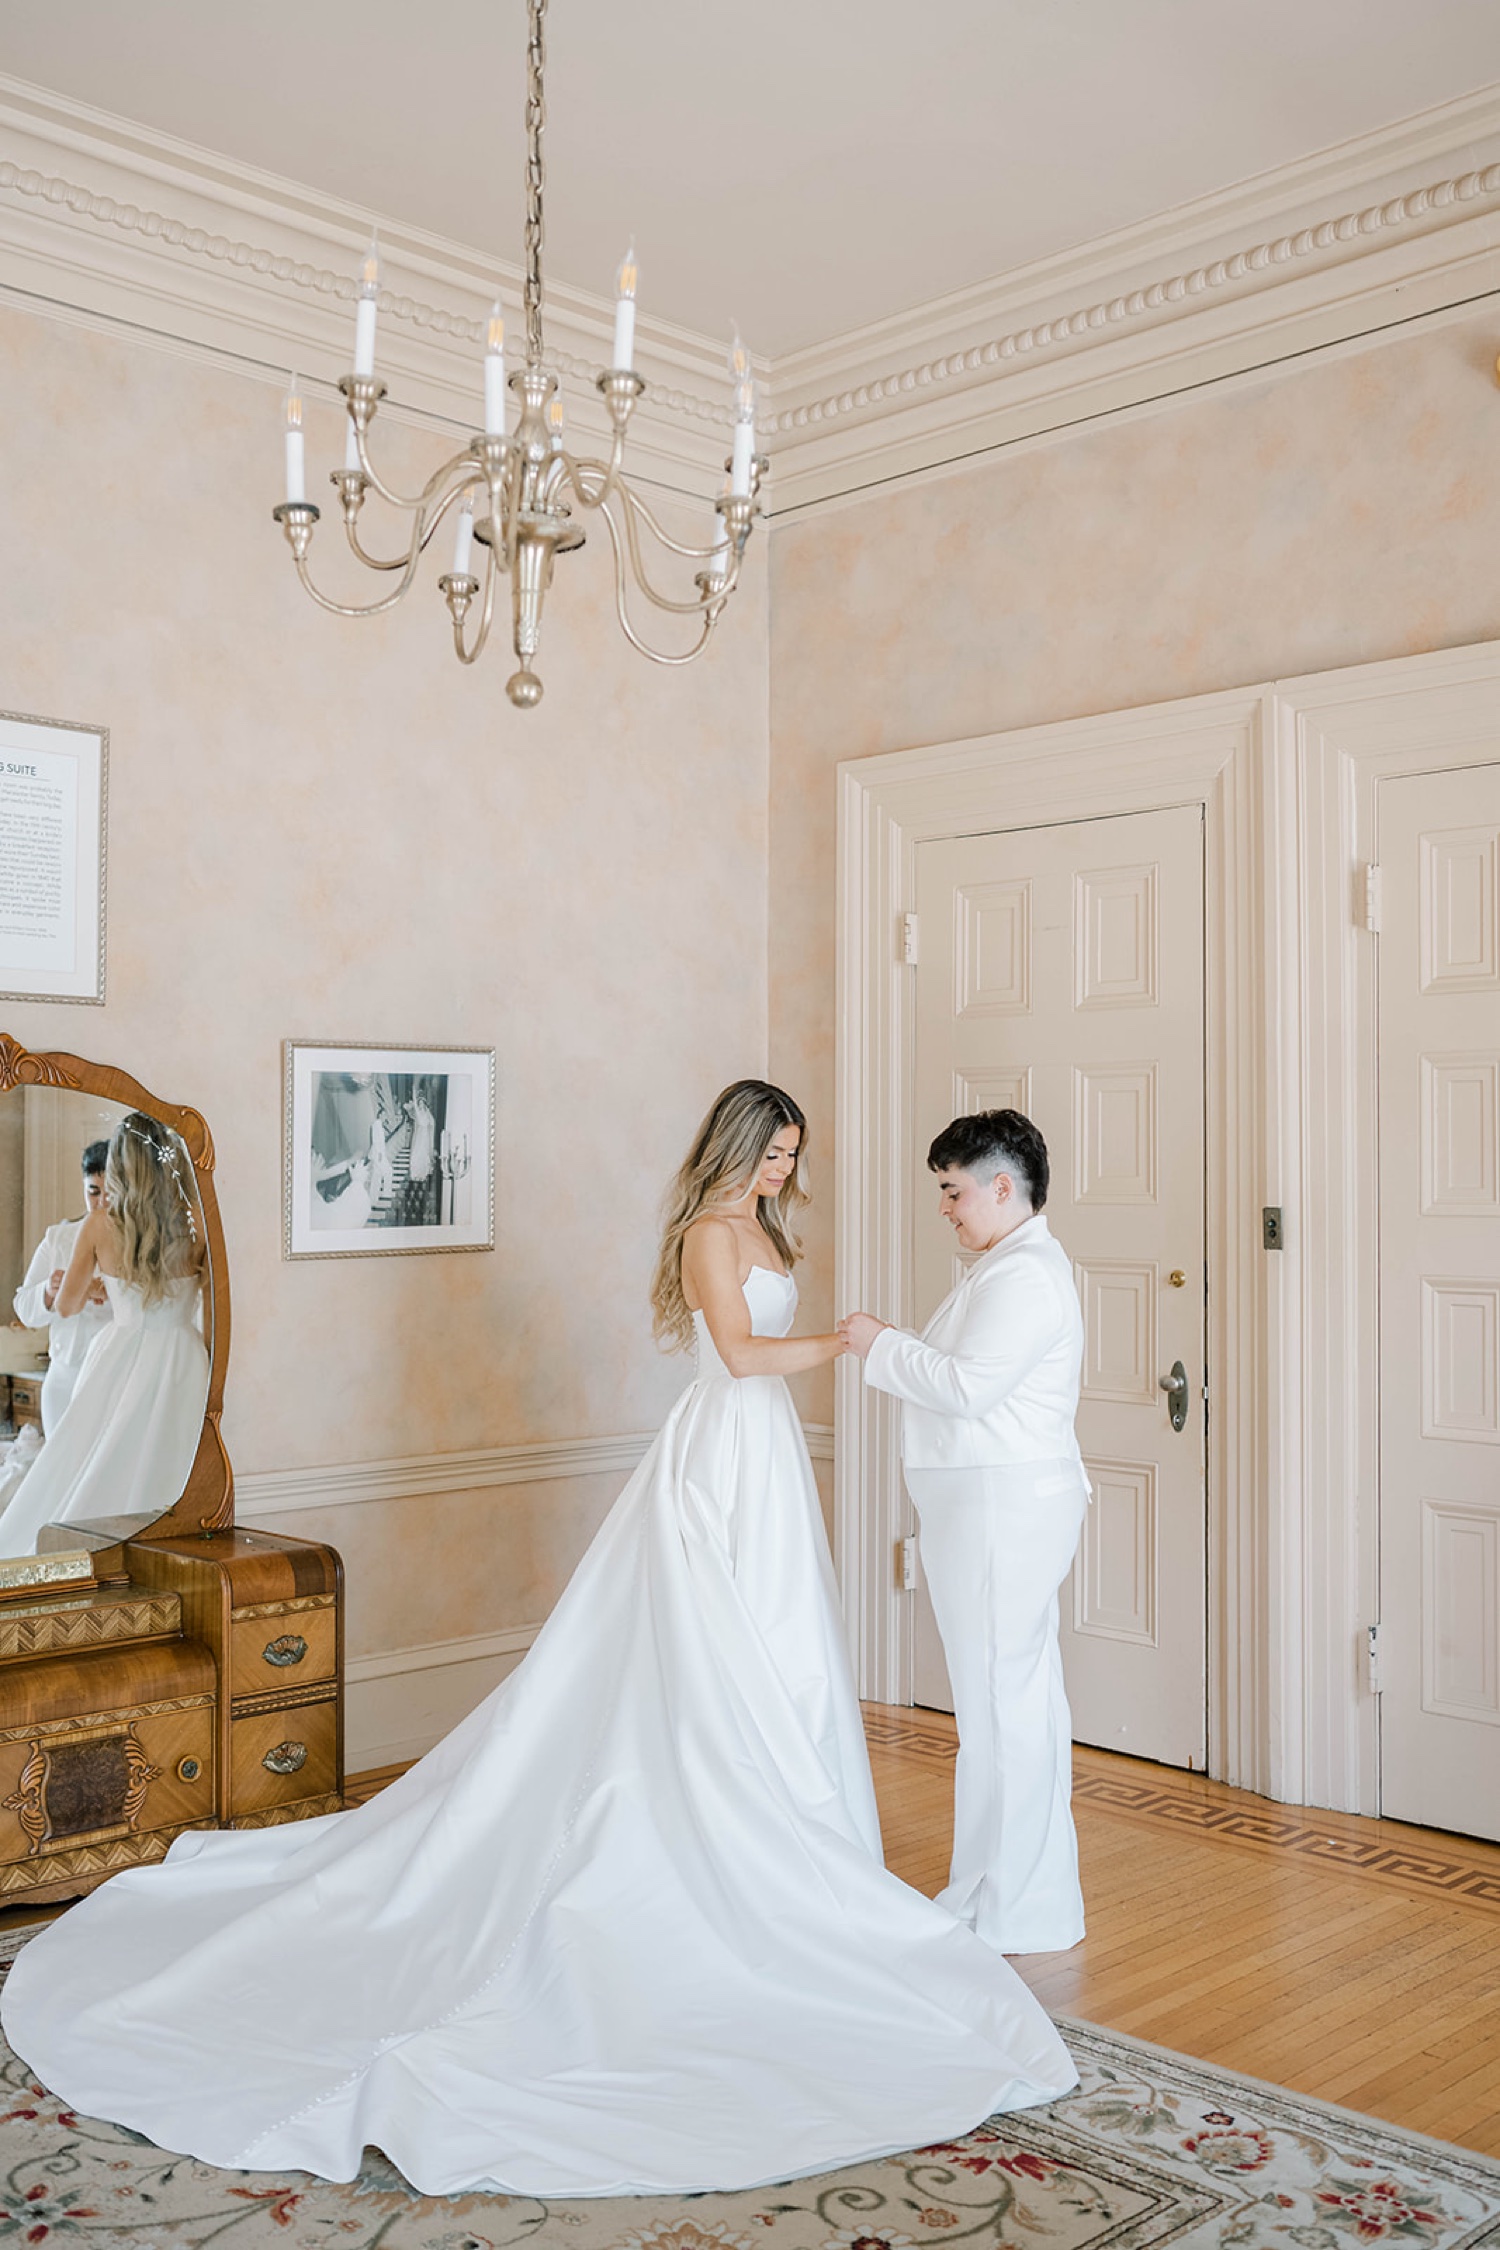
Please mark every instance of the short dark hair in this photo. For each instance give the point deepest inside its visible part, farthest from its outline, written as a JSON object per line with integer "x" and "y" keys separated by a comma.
{"x": 95, "y": 1157}
{"x": 995, "y": 1140}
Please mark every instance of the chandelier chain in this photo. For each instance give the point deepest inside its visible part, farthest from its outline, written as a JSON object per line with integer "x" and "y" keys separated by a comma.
{"x": 536, "y": 122}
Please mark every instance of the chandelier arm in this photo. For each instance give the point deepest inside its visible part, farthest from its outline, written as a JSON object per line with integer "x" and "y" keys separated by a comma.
{"x": 425, "y": 525}
{"x": 702, "y": 600}
{"x": 472, "y": 654}
{"x": 356, "y": 609}
{"x": 673, "y": 546}
{"x": 709, "y": 613}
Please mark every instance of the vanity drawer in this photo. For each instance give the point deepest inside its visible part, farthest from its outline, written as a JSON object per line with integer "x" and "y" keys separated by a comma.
{"x": 26, "y": 1400}
{"x": 290, "y": 1648}
{"x": 96, "y": 1783}
{"x": 300, "y": 1741}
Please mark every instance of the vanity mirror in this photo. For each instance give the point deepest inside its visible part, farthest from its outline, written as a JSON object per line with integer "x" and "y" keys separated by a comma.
{"x": 160, "y": 1669}
{"x": 112, "y": 1361}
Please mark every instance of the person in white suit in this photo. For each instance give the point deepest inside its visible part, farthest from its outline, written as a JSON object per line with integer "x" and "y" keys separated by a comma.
{"x": 990, "y": 1393}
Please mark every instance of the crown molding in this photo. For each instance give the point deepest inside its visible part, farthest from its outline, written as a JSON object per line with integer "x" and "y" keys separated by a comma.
{"x": 107, "y": 224}
{"x": 1398, "y": 224}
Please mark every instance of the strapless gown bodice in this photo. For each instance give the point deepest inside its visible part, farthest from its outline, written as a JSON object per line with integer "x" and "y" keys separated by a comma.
{"x": 772, "y": 1299}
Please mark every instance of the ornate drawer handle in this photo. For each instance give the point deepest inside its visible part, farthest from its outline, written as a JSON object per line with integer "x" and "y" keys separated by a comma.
{"x": 287, "y": 1757}
{"x": 290, "y": 1649}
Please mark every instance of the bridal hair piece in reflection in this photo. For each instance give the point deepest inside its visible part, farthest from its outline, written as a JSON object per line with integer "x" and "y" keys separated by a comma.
{"x": 388, "y": 1149}
{"x": 54, "y": 788}
{"x": 148, "y": 1186}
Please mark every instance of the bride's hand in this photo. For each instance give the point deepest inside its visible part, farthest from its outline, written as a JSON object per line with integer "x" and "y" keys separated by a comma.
{"x": 859, "y": 1331}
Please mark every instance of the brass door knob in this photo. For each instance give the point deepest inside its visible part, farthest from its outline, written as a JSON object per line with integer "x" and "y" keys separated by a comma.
{"x": 1177, "y": 1279}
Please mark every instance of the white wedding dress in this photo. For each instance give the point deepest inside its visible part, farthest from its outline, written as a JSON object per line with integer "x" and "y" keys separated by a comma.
{"x": 626, "y": 1931}
{"x": 126, "y": 1439}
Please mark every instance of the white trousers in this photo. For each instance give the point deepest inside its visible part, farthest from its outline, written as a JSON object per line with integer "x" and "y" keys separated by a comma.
{"x": 996, "y": 1545}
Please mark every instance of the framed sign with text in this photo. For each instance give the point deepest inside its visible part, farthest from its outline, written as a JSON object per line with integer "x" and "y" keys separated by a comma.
{"x": 54, "y": 795}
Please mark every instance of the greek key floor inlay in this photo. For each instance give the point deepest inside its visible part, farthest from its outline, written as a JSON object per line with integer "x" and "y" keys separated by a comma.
{"x": 1452, "y": 1867}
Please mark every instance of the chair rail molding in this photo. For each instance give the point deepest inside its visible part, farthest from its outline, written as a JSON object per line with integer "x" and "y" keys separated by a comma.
{"x": 1287, "y": 774}
{"x": 422, "y": 1476}
{"x": 110, "y": 224}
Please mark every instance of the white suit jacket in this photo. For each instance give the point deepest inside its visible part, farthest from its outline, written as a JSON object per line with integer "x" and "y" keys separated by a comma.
{"x": 993, "y": 1378}
{"x": 69, "y": 1339}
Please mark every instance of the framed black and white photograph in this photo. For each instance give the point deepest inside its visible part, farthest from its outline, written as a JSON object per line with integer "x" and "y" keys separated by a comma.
{"x": 388, "y": 1149}
{"x": 54, "y": 797}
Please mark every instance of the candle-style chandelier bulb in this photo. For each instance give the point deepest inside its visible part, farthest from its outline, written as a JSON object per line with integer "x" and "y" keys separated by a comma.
{"x": 296, "y": 458}
{"x": 518, "y": 492}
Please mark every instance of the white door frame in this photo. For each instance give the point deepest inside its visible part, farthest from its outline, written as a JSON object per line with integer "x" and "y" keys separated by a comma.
{"x": 1340, "y": 734}
{"x": 1286, "y": 775}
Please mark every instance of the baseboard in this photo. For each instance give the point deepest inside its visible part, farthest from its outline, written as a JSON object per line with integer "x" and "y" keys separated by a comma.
{"x": 400, "y": 1702}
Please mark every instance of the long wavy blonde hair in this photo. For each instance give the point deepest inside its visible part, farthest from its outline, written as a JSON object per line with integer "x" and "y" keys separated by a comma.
{"x": 728, "y": 1150}
{"x": 148, "y": 1180}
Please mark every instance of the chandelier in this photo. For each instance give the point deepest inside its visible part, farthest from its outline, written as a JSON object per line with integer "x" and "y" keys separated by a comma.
{"x": 512, "y": 491}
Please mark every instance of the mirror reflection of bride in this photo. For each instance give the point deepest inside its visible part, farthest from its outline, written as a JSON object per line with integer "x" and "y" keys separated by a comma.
{"x": 126, "y": 1440}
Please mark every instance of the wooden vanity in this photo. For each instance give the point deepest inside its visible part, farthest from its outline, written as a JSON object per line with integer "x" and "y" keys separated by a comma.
{"x": 194, "y": 1677}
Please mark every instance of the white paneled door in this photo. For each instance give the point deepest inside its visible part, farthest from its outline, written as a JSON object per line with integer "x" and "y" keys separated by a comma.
{"x": 1439, "y": 1123}
{"x": 1060, "y": 972}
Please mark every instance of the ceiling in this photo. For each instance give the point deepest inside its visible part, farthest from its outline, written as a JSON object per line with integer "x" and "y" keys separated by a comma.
{"x": 803, "y": 166}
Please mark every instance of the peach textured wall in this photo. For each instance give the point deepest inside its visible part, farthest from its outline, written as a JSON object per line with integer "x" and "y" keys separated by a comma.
{"x": 1334, "y": 513}
{"x": 332, "y": 830}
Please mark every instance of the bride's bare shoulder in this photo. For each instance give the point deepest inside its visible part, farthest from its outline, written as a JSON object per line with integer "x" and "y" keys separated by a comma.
{"x": 712, "y": 1236}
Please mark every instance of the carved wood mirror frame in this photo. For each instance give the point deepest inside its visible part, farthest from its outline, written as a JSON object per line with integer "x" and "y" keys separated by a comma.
{"x": 206, "y": 1502}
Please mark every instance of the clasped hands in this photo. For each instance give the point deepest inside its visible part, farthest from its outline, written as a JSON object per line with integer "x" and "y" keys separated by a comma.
{"x": 859, "y": 1331}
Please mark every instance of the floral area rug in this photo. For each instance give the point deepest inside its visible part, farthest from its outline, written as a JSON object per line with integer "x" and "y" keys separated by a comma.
{"x": 1152, "y": 2149}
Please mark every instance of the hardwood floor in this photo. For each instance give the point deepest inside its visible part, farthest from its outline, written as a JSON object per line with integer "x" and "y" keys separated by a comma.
{"x": 1354, "y": 1959}
{"x": 1358, "y": 1960}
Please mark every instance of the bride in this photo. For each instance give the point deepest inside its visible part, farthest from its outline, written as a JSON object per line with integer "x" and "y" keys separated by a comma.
{"x": 627, "y": 1930}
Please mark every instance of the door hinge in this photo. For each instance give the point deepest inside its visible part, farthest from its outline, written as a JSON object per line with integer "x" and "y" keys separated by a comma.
{"x": 910, "y": 937}
{"x": 1372, "y": 1658}
{"x": 1370, "y": 895}
{"x": 906, "y": 1564}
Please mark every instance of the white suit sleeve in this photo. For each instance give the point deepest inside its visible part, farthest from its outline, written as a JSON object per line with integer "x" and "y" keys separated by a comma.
{"x": 29, "y": 1299}
{"x": 1009, "y": 1331}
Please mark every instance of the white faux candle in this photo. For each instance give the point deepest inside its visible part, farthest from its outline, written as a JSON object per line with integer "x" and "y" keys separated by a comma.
{"x": 743, "y": 458}
{"x": 494, "y": 375}
{"x": 463, "y": 541}
{"x": 625, "y": 311}
{"x": 365, "y": 311}
{"x": 296, "y": 459}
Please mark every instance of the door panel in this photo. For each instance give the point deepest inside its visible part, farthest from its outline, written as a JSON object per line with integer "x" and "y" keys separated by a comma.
{"x": 1439, "y": 1124}
{"x": 1060, "y": 972}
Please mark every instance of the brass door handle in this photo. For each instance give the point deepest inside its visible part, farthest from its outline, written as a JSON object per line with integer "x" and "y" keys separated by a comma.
{"x": 1176, "y": 1387}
